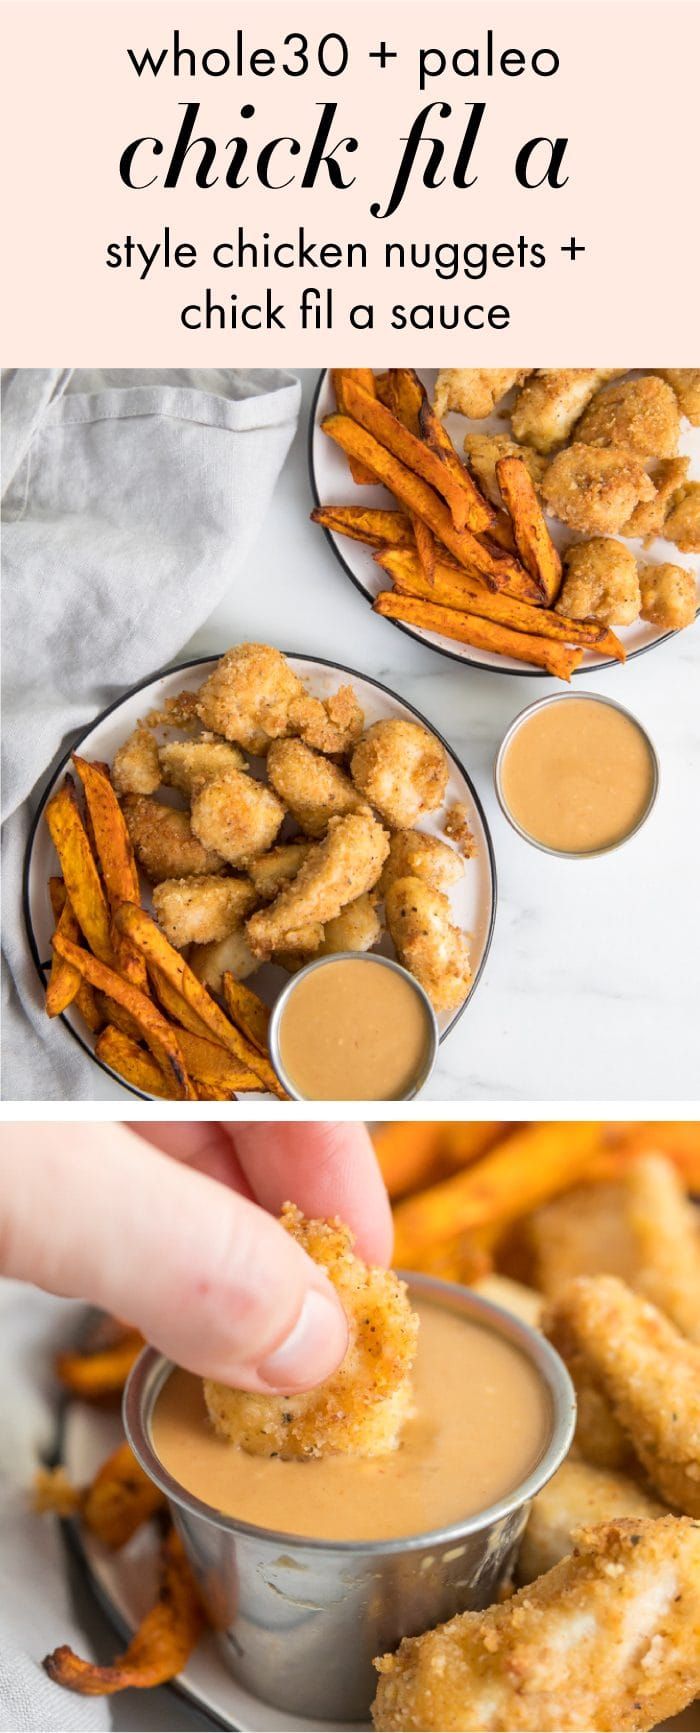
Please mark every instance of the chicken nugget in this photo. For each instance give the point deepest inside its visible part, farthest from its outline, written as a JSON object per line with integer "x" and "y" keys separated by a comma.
{"x": 669, "y": 596}
{"x": 136, "y": 766}
{"x": 231, "y": 956}
{"x": 682, "y": 525}
{"x": 414, "y": 854}
{"x": 200, "y": 910}
{"x": 185, "y": 763}
{"x": 360, "y": 1409}
{"x": 608, "y": 1638}
{"x": 577, "y": 1496}
{"x": 600, "y": 583}
{"x": 328, "y": 724}
{"x": 595, "y": 489}
{"x": 401, "y": 769}
{"x": 247, "y": 697}
{"x": 474, "y": 391}
{"x": 343, "y": 866}
{"x": 164, "y": 842}
{"x": 237, "y": 816}
{"x": 427, "y": 942}
{"x": 483, "y": 452}
{"x": 310, "y": 786}
{"x": 648, "y": 518}
{"x": 551, "y": 401}
{"x": 639, "y": 414}
{"x": 685, "y": 381}
{"x": 356, "y": 928}
{"x": 271, "y": 872}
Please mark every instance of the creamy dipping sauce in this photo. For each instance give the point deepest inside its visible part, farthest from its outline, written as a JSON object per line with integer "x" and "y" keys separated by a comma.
{"x": 578, "y": 775}
{"x": 354, "y": 1031}
{"x": 482, "y": 1421}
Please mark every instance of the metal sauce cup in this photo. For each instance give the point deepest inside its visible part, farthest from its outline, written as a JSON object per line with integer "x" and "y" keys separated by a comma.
{"x": 568, "y": 698}
{"x": 299, "y": 1621}
{"x": 371, "y": 959}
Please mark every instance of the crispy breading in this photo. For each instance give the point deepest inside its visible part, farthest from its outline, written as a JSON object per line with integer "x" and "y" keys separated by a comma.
{"x": 180, "y": 711}
{"x": 346, "y": 863}
{"x": 600, "y": 583}
{"x": 237, "y": 816}
{"x": 639, "y": 414}
{"x": 356, "y": 928}
{"x": 607, "y": 1639}
{"x": 669, "y": 596}
{"x": 231, "y": 955}
{"x": 415, "y": 854}
{"x": 682, "y": 524}
{"x": 646, "y": 1373}
{"x": 458, "y": 828}
{"x": 551, "y": 401}
{"x": 164, "y": 842}
{"x": 271, "y": 872}
{"x": 136, "y": 765}
{"x": 595, "y": 489}
{"x": 648, "y": 518}
{"x": 685, "y": 381}
{"x": 401, "y": 769}
{"x": 360, "y": 1409}
{"x": 185, "y": 763}
{"x": 427, "y": 942}
{"x": 312, "y": 787}
{"x": 483, "y": 451}
{"x": 200, "y": 910}
{"x": 247, "y": 697}
{"x": 577, "y": 1496}
{"x": 328, "y": 724}
{"x": 474, "y": 391}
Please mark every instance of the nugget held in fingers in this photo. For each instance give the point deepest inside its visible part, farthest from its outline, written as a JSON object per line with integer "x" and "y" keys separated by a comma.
{"x": 646, "y": 1372}
{"x": 415, "y": 854}
{"x": 164, "y": 842}
{"x": 436, "y": 952}
{"x": 237, "y": 816}
{"x": 607, "y": 1639}
{"x": 577, "y": 1496}
{"x": 360, "y": 1409}
{"x": 401, "y": 770}
{"x": 595, "y": 489}
{"x": 247, "y": 697}
{"x": 312, "y": 788}
{"x": 346, "y": 864}
{"x": 200, "y": 910}
{"x": 186, "y": 763}
{"x": 600, "y": 583}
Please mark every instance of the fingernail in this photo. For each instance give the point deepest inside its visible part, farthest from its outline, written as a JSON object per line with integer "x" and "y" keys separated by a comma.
{"x": 313, "y": 1348}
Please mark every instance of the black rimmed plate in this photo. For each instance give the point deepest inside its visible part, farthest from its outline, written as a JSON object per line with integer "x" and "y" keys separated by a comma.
{"x": 473, "y": 898}
{"x": 332, "y": 484}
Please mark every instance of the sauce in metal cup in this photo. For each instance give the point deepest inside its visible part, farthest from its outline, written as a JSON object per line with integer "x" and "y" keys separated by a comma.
{"x": 353, "y": 1026}
{"x": 576, "y": 775}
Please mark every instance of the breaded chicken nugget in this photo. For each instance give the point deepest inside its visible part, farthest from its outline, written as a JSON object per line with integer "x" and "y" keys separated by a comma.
{"x": 185, "y": 763}
{"x": 271, "y": 872}
{"x": 483, "y": 451}
{"x": 639, "y": 414}
{"x": 343, "y": 866}
{"x": 328, "y": 724}
{"x": 237, "y": 816}
{"x": 164, "y": 842}
{"x": 231, "y": 955}
{"x": 645, "y": 1371}
{"x": 201, "y": 910}
{"x": 360, "y": 1409}
{"x": 607, "y": 1639}
{"x": 685, "y": 381}
{"x": 551, "y": 401}
{"x": 414, "y": 854}
{"x": 401, "y": 770}
{"x": 474, "y": 391}
{"x": 356, "y": 928}
{"x": 669, "y": 596}
{"x": 594, "y": 489}
{"x": 136, "y": 766}
{"x": 648, "y": 518}
{"x": 247, "y": 697}
{"x": 600, "y": 583}
{"x": 310, "y": 786}
{"x": 578, "y": 1496}
{"x": 682, "y": 525}
{"x": 426, "y": 941}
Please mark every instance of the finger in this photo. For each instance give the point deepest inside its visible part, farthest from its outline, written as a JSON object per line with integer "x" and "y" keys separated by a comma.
{"x": 205, "y": 1146}
{"x": 328, "y": 1169}
{"x": 207, "y": 1276}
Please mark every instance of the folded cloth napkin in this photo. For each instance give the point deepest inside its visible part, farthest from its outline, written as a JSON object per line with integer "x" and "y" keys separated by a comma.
{"x": 35, "y": 1609}
{"x": 129, "y": 502}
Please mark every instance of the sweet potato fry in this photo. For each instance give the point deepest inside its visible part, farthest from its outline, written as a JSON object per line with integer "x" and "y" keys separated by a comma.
{"x": 466, "y": 1141}
{"x": 137, "y": 1067}
{"x": 155, "y": 948}
{"x": 532, "y": 537}
{"x": 484, "y": 634}
{"x": 212, "y": 1066}
{"x": 116, "y": 1014}
{"x": 177, "y": 1007}
{"x": 104, "y": 1372}
{"x": 159, "y": 1035}
{"x": 248, "y": 1011}
{"x": 404, "y": 396}
{"x": 408, "y": 1152}
{"x": 500, "y": 570}
{"x": 161, "y": 1645}
{"x": 407, "y": 447}
{"x": 454, "y": 589}
{"x": 366, "y": 524}
{"x": 533, "y": 1164}
{"x": 115, "y": 855}
{"x": 381, "y": 386}
{"x": 65, "y": 984}
{"x": 80, "y": 874}
{"x": 365, "y": 378}
{"x": 481, "y": 514}
{"x": 679, "y": 1139}
{"x": 120, "y": 1498}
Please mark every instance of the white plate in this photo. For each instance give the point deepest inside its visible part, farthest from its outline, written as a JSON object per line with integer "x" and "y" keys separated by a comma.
{"x": 332, "y": 484}
{"x": 473, "y": 898}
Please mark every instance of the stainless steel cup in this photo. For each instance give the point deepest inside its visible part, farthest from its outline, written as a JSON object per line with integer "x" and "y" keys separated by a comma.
{"x": 369, "y": 958}
{"x": 299, "y": 1621}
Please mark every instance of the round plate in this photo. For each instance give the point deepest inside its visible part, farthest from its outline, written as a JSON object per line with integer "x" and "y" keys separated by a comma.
{"x": 332, "y": 484}
{"x": 473, "y": 898}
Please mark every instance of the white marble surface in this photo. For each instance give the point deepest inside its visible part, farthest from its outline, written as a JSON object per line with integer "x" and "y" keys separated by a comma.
{"x": 591, "y": 986}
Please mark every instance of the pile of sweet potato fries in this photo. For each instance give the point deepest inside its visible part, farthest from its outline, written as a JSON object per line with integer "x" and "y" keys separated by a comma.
{"x": 458, "y": 565}
{"x": 155, "y": 1023}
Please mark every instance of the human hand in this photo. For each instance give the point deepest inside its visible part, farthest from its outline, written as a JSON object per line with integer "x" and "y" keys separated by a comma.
{"x": 172, "y": 1226}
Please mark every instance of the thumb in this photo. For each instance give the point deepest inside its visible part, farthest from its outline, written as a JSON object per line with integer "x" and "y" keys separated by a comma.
{"x": 207, "y": 1276}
